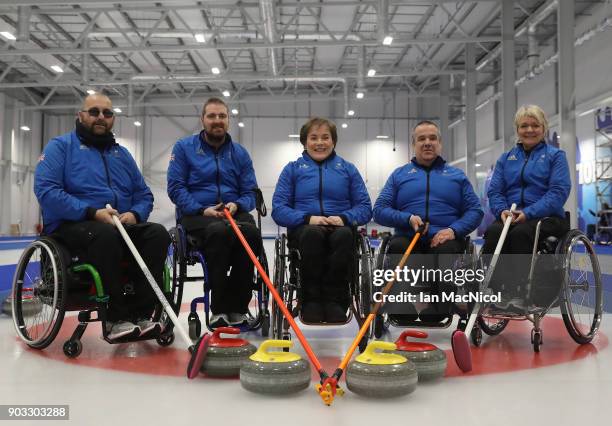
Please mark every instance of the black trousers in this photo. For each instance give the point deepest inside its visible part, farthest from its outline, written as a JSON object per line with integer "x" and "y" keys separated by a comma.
{"x": 441, "y": 257}
{"x": 222, "y": 250}
{"x": 512, "y": 271}
{"x": 101, "y": 245}
{"x": 327, "y": 254}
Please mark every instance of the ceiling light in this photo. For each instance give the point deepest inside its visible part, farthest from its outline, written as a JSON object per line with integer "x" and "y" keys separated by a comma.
{"x": 234, "y": 111}
{"x": 478, "y": 164}
{"x": 382, "y": 137}
{"x": 350, "y": 113}
{"x": 200, "y": 38}
{"x": 117, "y": 110}
{"x": 137, "y": 123}
{"x": 91, "y": 92}
{"x": 215, "y": 70}
{"x": 344, "y": 125}
{"x": 240, "y": 124}
{"x": 388, "y": 40}
{"x": 359, "y": 95}
{"x": 226, "y": 93}
{"x": 25, "y": 128}
{"x": 371, "y": 72}
{"x": 294, "y": 136}
{"x": 8, "y": 35}
{"x": 57, "y": 68}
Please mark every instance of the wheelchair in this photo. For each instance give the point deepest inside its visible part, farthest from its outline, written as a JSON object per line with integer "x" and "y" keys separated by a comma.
{"x": 464, "y": 260}
{"x": 288, "y": 284}
{"x": 185, "y": 254}
{"x": 50, "y": 281}
{"x": 579, "y": 295}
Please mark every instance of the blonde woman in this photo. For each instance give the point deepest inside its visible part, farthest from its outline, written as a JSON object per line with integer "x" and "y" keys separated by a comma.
{"x": 535, "y": 176}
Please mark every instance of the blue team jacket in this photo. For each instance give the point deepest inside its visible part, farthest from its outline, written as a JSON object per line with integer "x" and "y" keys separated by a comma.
{"x": 71, "y": 177}
{"x": 442, "y": 196}
{"x": 199, "y": 177}
{"x": 538, "y": 182}
{"x": 333, "y": 187}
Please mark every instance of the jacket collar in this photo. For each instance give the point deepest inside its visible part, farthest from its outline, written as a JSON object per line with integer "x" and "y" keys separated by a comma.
{"x": 438, "y": 163}
{"x": 538, "y": 146}
{"x": 309, "y": 159}
{"x": 206, "y": 146}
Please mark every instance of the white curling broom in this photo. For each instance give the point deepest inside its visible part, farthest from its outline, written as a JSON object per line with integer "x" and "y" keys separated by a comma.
{"x": 459, "y": 341}
{"x": 197, "y": 350}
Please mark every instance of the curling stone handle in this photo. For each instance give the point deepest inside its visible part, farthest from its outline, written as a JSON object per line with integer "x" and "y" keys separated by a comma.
{"x": 268, "y": 344}
{"x": 225, "y": 330}
{"x": 378, "y": 345}
{"x": 417, "y": 334}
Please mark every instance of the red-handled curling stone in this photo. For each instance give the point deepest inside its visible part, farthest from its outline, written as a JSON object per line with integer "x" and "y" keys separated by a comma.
{"x": 430, "y": 361}
{"x": 225, "y": 355}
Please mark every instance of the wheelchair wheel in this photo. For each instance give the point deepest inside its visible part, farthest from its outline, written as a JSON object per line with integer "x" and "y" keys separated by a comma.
{"x": 178, "y": 270}
{"x": 363, "y": 278}
{"x": 72, "y": 348}
{"x": 379, "y": 326}
{"x": 279, "y": 285}
{"x": 581, "y": 296}
{"x": 259, "y": 312}
{"x": 382, "y": 251}
{"x": 39, "y": 280}
{"x": 492, "y": 326}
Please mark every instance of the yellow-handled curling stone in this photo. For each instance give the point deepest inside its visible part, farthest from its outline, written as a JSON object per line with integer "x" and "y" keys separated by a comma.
{"x": 430, "y": 361}
{"x": 275, "y": 372}
{"x": 225, "y": 355}
{"x": 381, "y": 374}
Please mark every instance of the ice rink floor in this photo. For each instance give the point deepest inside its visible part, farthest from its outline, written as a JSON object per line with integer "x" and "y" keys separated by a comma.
{"x": 142, "y": 383}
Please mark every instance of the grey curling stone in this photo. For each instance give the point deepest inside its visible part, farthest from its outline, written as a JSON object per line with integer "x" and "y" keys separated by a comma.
{"x": 275, "y": 373}
{"x": 430, "y": 361}
{"x": 29, "y": 306}
{"x": 380, "y": 374}
{"x": 225, "y": 356}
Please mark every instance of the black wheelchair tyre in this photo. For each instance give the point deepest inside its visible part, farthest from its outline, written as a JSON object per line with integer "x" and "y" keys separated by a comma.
{"x": 569, "y": 312}
{"x": 72, "y": 348}
{"x": 492, "y": 326}
{"x": 279, "y": 284}
{"x": 44, "y": 278}
{"x": 165, "y": 339}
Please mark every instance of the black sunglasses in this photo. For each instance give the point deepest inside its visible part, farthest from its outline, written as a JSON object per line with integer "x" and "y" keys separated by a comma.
{"x": 95, "y": 112}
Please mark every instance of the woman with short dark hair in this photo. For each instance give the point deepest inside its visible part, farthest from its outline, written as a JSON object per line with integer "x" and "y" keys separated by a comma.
{"x": 319, "y": 197}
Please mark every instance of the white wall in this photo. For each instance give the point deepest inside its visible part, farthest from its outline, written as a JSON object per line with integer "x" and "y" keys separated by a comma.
{"x": 19, "y": 151}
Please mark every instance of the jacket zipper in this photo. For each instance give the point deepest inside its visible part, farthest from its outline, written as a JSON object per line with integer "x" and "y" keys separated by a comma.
{"x": 219, "y": 200}
{"x": 108, "y": 180}
{"x": 321, "y": 189}
{"x": 522, "y": 180}
{"x": 427, "y": 198}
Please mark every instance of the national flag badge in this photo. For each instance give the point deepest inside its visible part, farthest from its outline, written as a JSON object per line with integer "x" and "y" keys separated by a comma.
{"x": 171, "y": 157}
{"x": 41, "y": 158}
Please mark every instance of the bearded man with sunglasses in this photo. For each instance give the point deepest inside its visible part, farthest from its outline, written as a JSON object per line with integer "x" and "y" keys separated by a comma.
{"x": 207, "y": 172}
{"x": 77, "y": 175}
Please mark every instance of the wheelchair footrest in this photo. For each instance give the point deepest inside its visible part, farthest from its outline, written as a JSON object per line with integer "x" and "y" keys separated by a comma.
{"x": 85, "y": 316}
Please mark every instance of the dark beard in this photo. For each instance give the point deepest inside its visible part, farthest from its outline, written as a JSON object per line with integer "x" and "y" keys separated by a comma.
{"x": 86, "y": 136}
{"x": 214, "y": 140}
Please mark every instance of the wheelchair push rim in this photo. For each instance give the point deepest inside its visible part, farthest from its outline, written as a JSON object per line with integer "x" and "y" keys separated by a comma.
{"x": 581, "y": 295}
{"x": 37, "y": 279}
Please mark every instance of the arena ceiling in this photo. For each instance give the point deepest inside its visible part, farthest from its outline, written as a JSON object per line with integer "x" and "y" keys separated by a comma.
{"x": 178, "y": 52}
